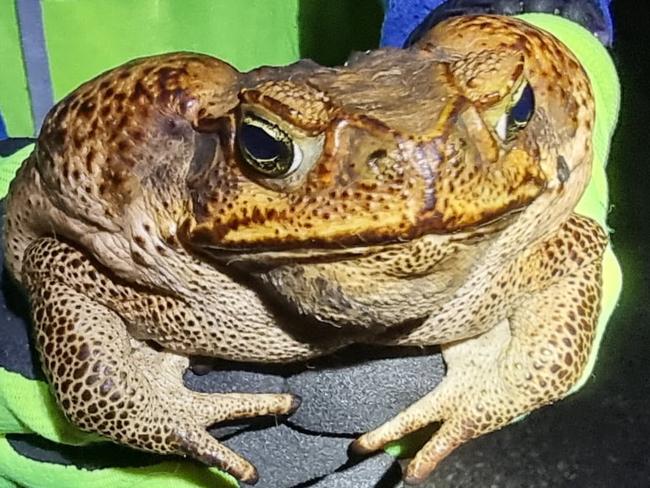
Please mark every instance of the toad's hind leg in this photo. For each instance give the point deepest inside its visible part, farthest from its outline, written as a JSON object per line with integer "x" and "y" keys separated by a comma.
{"x": 109, "y": 383}
{"x": 530, "y": 359}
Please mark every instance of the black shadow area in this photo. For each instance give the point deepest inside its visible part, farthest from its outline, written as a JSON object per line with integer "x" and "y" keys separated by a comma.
{"x": 330, "y": 30}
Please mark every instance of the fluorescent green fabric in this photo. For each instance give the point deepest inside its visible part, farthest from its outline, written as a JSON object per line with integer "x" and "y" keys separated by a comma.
{"x": 16, "y": 470}
{"x": 9, "y": 165}
{"x": 14, "y": 97}
{"x": 39, "y": 415}
{"x": 86, "y": 37}
{"x": 244, "y": 33}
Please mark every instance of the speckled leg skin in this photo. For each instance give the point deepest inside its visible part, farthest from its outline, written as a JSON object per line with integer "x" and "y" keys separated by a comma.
{"x": 109, "y": 383}
{"x": 529, "y": 360}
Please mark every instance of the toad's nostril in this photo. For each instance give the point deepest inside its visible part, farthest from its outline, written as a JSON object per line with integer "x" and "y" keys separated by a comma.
{"x": 374, "y": 157}
{"x": 378, "y": 154}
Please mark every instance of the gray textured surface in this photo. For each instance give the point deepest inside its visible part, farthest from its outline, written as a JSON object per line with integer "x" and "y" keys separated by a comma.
{"x": 15, "y": 351}
{"x": 230, "y": 381}
{"x": 358, "y": 397}
{"x": 285, "y": 457}
{"x": 379, "y": 470}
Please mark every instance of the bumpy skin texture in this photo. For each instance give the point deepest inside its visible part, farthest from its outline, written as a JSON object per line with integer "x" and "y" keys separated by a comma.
{"x": 411, "y": 217}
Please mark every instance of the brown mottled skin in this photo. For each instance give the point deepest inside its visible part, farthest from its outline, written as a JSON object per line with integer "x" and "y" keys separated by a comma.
{"x": 408, "y": 219}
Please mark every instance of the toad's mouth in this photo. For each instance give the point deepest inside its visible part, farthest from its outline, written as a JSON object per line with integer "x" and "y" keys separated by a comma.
{"x": 293, "y": 256}
{"x": 302, "y": 252}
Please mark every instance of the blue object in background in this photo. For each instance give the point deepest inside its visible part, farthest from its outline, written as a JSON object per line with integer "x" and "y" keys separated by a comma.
{"x": 404, "y": 16}
{"x": 3, "y": 129}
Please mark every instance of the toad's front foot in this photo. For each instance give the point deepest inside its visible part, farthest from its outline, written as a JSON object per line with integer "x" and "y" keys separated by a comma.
{"x": 175, "y": 419}
{"x": 184, "y": 416}
{"x": 109, "y": 383}
{"x": 529, "y": 360}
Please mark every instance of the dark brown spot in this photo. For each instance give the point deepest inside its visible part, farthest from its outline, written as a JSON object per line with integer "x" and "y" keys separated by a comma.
{"x": 89, "y": 159}
{"x": 87, "y": 108}
{"x": 256, "y": 216}
{"x": 563, "y": 171}
{"x": 80, "y": 371}
{"x": 84, "y": 352}
{"x": 139, "y": 91}
{"x": 139, "y": 258}
{"x": 58, "y": 138}
{"x": 122, "y": 146}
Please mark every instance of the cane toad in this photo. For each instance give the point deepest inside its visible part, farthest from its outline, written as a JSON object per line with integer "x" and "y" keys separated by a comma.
{"x": 174, "y": 206}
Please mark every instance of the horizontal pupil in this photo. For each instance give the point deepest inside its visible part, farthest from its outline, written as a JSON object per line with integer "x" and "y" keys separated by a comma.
{"x": 259, "y": 143}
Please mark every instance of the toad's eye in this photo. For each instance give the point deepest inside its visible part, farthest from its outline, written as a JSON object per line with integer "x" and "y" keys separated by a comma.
{"x": 267, "y": 148}
{"x": 518, "y": 115}
{"x": 523, "y": 109}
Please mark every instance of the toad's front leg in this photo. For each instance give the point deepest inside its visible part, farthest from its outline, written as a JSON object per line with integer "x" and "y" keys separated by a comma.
{"x": 109, "y": 383}
{"x": 530, "y": 359}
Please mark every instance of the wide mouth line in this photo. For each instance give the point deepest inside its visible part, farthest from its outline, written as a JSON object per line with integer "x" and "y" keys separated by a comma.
{"x": 331, "y": 251}
{"x": 295, "y": 255}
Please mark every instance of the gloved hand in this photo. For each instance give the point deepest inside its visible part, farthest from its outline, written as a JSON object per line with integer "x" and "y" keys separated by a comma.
{"x": 405, "y": 19}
